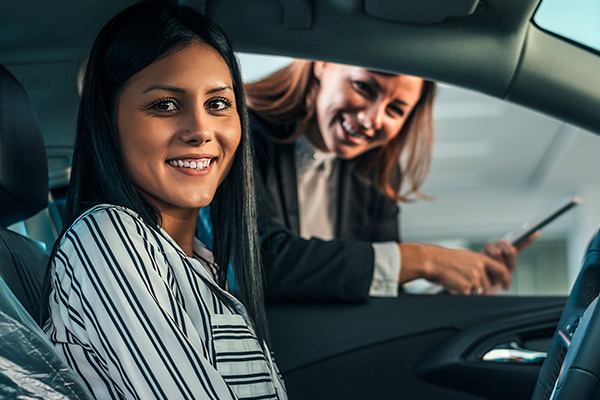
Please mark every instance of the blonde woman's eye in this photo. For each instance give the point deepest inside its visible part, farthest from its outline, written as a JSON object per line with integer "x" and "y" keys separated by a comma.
{"x": 165, "y": 105}
{"x": 362, "y": 87}
{"x": 396, "y": 110}
{"x": 218, "y": 104}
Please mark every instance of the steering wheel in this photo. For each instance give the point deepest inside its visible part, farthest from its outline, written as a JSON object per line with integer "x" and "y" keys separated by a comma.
{"x": 572, "y": 366}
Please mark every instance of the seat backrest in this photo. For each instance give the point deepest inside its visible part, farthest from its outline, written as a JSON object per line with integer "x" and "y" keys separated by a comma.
{"x": 30, "y": 367}
{"x": 23, "y": 268}
{"x": 23, "y": 191}
{"x": 23, "y": 164}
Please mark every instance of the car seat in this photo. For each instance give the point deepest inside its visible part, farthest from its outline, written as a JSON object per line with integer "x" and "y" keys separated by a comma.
{"x": 29, "y": 365}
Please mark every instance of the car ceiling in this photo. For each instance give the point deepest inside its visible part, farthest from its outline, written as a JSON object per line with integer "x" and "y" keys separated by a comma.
{"x": 489, "y": 46}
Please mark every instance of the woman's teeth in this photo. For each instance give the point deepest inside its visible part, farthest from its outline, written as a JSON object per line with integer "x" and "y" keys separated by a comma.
{"x": 351, "y": 131}
{"x": 194, "y": 164}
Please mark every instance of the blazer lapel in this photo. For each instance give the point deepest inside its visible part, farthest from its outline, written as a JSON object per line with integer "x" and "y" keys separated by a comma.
{"x": 353, "y": 203}
{"x": 288, "y": 184}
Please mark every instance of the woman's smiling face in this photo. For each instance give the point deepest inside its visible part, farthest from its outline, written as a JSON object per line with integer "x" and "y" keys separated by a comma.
{"x": 359, "y": 110}
{"x": 179, "y": 128}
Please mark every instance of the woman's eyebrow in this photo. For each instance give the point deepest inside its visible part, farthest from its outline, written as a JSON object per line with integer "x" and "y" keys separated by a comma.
{"x": 399, "y": 101}
{"x": 374, "y": 82}
{"x": 165, "y": 88}
{"x": 180, "y": 90}
{"x": 219, "y": 89}
{"x": 378, "y": 85}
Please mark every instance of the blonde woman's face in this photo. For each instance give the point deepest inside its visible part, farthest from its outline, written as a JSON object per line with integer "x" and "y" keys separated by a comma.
{"x": 359, "y": 110}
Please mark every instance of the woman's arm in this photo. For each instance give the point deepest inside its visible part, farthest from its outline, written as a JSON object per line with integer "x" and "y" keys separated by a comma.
{"x": 463, "y": 271}
{"x": 460, "y": 271}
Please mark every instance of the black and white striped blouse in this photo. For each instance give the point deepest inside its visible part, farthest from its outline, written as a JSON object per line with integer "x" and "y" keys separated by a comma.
{"x": 138, "y": 319}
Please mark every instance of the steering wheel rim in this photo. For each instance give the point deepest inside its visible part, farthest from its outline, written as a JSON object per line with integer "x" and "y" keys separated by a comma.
{"x": 585, "y": 290}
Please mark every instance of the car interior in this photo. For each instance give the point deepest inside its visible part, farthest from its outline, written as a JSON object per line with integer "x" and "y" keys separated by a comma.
{"x": 414, "y": 346}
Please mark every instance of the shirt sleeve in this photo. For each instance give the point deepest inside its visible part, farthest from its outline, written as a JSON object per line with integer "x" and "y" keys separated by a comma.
{"x": 130, "y": 334}
{"x": 386, "y": 275}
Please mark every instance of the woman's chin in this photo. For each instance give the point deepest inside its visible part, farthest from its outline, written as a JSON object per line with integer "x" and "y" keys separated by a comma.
{"x": 347, "y": 153}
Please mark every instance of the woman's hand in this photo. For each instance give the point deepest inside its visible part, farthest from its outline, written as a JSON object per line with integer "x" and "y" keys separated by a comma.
{"x": 506, "y": 253}
{"x": 462, "y": 271}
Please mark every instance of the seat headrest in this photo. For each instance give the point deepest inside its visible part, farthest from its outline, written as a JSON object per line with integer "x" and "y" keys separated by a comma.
{"x": 23, "y": 164}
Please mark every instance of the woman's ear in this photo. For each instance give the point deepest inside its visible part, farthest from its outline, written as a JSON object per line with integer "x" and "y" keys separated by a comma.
{"x": 318, "y": 67}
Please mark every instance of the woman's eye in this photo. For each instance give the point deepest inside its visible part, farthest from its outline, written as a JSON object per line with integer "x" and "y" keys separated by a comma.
{"x": 165, "y": 105}
{"x": 362, "y": 87}
{"x": 396, "y": 110}
{"x": 218, "y": 104}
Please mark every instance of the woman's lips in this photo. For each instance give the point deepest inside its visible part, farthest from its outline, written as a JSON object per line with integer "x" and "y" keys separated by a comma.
{"x": 196, "y": 166}
{"x": 349, "y": 134}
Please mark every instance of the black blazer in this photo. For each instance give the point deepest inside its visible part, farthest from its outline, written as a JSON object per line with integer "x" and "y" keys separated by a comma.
{"x": 299, "y": 269}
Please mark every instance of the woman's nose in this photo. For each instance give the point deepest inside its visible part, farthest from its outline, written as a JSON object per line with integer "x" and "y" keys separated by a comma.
{"x": 197, "y": 129}
{"x": 371, "y": 117}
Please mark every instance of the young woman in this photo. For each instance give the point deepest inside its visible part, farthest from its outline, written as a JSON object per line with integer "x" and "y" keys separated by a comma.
{"x": 335, "y": 145}
{"x": 137, "y": 306}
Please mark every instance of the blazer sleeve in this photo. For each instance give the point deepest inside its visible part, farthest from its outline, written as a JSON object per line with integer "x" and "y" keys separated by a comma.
{"x": 387, "y": 226}
{"x": 306, "y": 270}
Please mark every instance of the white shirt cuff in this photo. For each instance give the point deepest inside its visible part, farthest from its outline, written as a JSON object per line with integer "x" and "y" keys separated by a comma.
{"x": 386, "y": 275}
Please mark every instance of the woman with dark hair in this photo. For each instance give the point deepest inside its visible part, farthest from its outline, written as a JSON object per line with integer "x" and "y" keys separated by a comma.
{"x": 339, "y": 147}
{"x": 137, "y": 306}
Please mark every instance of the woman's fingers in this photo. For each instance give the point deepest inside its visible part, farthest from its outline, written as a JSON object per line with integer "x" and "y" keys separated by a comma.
{"x": 460, "y": 271}
{"x": 476, "y": 273}
{"x": 466, "y": 272}
{"x": 498, "y": 273}
{"x": 508, "y": 254}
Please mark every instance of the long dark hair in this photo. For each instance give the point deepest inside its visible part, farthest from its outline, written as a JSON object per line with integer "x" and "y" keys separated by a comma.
{"x": 131, "y": 41}
{"x": 288, "y": 95}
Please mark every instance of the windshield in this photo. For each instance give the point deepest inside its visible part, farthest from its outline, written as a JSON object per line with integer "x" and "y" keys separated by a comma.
{"x": 576, "y": 20}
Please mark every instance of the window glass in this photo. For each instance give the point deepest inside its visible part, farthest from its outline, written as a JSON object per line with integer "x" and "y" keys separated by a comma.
{"x": 497, "y": 166}
{"x": 576, "y": 20}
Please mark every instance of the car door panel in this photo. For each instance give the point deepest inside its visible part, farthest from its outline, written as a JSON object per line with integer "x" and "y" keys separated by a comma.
{"x": 414, "y": 346}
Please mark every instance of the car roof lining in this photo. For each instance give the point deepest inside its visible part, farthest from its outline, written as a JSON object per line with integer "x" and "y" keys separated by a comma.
{"x": 495, "y": 50}
{"x": 421, "y": 12}
{"x": 491, "y": 51}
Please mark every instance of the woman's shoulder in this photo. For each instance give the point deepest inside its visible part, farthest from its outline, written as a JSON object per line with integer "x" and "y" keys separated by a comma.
{"x": 114, "y": 228}
{"x": 105, "y": 210}
{"x": 106, "y": 217}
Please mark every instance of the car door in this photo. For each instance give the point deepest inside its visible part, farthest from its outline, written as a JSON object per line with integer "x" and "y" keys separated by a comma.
{"x": 413, "y": 346}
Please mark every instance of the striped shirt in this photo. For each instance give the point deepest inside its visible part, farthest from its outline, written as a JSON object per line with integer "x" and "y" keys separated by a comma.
{"x": 138, "y": 319}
